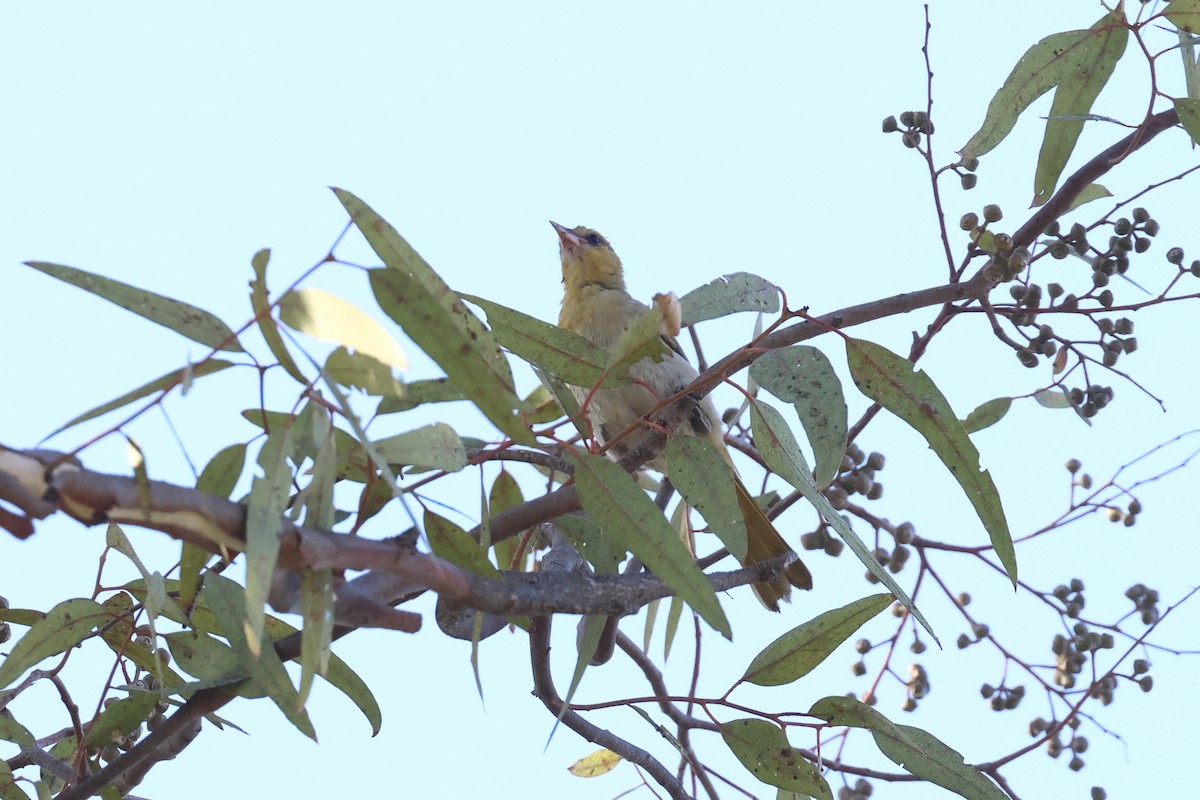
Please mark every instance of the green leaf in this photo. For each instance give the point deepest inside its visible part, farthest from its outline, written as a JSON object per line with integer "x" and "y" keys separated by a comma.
{"x": 705, "y": 480}
{"x": 1092, "y": 62}
{"x": 763, "y": 749}
{"x": 729, "y": 294}
{"x": 561, "y": 352}
{"x": 911, "y": 395}
{"x": 779, "y": 451}
{"x": 361, "y": 371}
{"x": 412, "y": 294}
{"x": 915, "y": 750}
{"x": 119, "y": 718}
{"x": 211, "y": 660}
{"x": 987, "y": 414}
{"x": 340, "y": 675}
{"x": 183, "y": 318}
{"x": 631, "y": 520}
{"x": 1188, "y": 110}
{"x": 452, "y": 543}
{"x": 260, "y": 301}
{"x": 67, "y": 624}
{"x": 161, "y": 384}
{"x": 1053, "y": 398}
{"x": 231, "y": 607}
{"x": 13, "y": 731}
{"x": 438, "y": 390}
{"x": 330, "y": 318}
{"x": 1093, "y": 191}
{"x": 434, "y": 446}
{"x": 642, "y": 338}
{"x": 590, "y": 542}
{"x": 220, "y": 475}
{"x": 268, "y": 498}
{"x": 800, "y": 650}
{"x": 505, "y": 494}
{"x": 1059, "y": 58}
{"x": 1184, "y": 14}
{"x": 566, "y": 399}
{"x": 9, "y": 788}
{"x": 803, "y": 376}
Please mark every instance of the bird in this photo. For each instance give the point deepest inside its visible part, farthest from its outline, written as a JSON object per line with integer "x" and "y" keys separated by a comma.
{"x": 597, "y": 305}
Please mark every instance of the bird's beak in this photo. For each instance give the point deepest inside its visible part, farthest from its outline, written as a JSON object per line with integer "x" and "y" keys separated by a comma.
{"x": 567, "y": 238}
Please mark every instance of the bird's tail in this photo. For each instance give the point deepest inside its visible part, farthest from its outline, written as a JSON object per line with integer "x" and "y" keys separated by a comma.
{"x": 764, "y": 543}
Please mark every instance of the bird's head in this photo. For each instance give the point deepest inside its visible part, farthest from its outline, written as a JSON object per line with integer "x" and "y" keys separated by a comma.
{"x": 588, "y": 259}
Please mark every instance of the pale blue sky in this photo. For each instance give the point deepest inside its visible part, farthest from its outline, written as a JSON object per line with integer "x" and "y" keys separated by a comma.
{"x": 162, "y": 145}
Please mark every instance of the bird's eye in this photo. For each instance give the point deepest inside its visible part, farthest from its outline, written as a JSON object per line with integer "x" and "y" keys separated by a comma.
{"x": 594, "y": 239}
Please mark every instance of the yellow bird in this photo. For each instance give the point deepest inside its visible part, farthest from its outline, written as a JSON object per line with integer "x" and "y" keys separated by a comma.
{"x": 597, "y": 306}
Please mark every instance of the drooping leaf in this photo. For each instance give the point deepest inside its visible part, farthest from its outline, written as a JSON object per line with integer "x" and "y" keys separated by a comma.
{"x": 777, "y": 445}
{"x": 630, "y": 518}
{"x": 168, "y": 381}
{"x": 412, "y": 294}
{"x": 268, "y": 498}
{"x": 505, "y": 494}
{"x": 914, "y": 749}
{"x": 911, "y": 395}
{"x": 987, "y": 414}
{"x": 763, "y": 749}
{"x": 66, "y": 625}
{"x": 231, "y": 608}
{"x": 800, "y": 650}
{"x": 260, "y": 301}
{"x": 1093, "y": 60}
{"x": 184, "y": 318}
{"x": 803, "y": 376}
{"x": 330, "y": 318}
{"x": 1057, "y": 58}
{"x": 1053, "y": 398}
{"x": 729, "y": 294}
{"x": 704, "y": 479}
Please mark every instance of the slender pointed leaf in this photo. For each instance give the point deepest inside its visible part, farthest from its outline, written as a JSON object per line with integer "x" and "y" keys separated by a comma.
{"x": 803, "y": 376}
{"x": 412, "y": 294}
{"x": 434, "y": 446}
{"x": 184, "y": 318}
{"x": 778, "y": 448}
{"x": 704, "y": 479}
{"x": 268, "y": 498}
{"x": 168, "y": 381}
{"x": 1055, "y": 59}
{"x": 629, "y": 517}
{"x": 260, "y": 302}
{"x": 914, "y": 749}
{"x": 1093, "y": 61}
{"x": 800, "y": 650}
{"x": 231, "y": 608}
{"x": 911, "y": 395}
{"x": 641, "y": 339}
